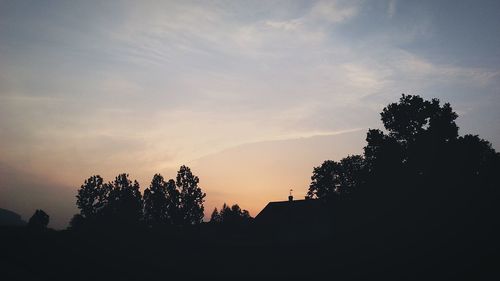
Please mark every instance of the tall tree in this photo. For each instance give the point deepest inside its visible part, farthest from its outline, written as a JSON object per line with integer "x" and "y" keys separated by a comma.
{"x": 191, "y": 196}
{"x": 173, "y": 196}
{"x": 92, "y": 196}
{"x": 125, "y": 200}
{"x": 156, "y": 202}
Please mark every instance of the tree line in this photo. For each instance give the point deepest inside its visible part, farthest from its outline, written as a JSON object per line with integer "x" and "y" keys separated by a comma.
{"x": 419, "y": 187}
{"x": 419, "y": 159}
{"x": 164, "y": 203}
{"x": 420, "y": 144}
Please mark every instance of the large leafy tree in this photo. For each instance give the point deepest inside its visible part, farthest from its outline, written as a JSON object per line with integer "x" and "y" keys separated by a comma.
{"x": 418, "y": 138}
{"x": 413, "y": 117}
{"x": 156, "y": 202}
{"x": 173, "y": 197}
{"x": 426, "y": 186}
{"x": 125, "y": 200}
{"x": 325, "y": 180}
{"x": 162, "y": 202}
{"x": 92, "y": 196}
{"x": 191, "y": 197}
{"x": 333, "y": 177}
{"x": 423, "y": 174}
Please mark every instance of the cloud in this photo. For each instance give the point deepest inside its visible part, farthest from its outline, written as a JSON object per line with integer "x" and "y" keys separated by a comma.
{"x": 391, "y": 8}
{"x": 285, "y": 25}
{"x": 334, "y": 11}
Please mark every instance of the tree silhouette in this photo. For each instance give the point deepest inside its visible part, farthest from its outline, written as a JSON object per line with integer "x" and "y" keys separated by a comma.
{"x": 234, "y": 215}
{"x": 477, "y": 163}
{"x": 382, "y": 153}
{"x": 215, "y": 217}
{"x": 419, "y": 138}
{"x": 333, "y": 177}
{"x": 191, "y": 196}
{"x": 325, "y": 179}
{"x": 173, "y": 203}
{"x": 121, "y": 202}
{"x": 76, "y": 222}
{"x": 125, "y": 200}
{"x": 92, "y": 196}
{"x": 39, "y": 220}
{"x": 426, "y": 183}
{"x": 230, "y": 216}
{"x": 156, "y": 202}
{"x": 414, "y": 117}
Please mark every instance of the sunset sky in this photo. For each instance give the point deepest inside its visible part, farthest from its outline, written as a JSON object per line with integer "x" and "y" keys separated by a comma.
{"x": 250, "y": 94}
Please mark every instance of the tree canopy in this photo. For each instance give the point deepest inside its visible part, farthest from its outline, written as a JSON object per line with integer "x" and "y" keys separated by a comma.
{"x": 156, "y": 201}
{"x": 121, "y": 202}
{"x": 333, "y": 177}
{"x": 125, "y": 200}
{"x": 421, "y": 140}
{"x": 413, "y": 118}
{"x": 230, "y": 216}
{"x": 92, "y": 196}
{"x": 191, "y": 196}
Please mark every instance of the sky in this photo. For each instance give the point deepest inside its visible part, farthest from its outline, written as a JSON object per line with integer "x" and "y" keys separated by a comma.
{"x": 250, "y": 94}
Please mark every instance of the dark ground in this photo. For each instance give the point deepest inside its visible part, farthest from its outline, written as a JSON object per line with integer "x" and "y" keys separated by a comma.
{"x": 206, "y": 253}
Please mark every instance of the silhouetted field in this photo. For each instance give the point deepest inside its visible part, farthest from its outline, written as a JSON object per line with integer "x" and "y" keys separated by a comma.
{"x": 205, "y": 252}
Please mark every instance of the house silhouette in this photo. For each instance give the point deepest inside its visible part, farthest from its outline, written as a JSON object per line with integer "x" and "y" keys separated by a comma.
{"x": 295, "y": 219}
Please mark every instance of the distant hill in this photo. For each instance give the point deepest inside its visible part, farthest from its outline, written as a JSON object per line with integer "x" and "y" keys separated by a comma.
{"x": 10, "y": 218}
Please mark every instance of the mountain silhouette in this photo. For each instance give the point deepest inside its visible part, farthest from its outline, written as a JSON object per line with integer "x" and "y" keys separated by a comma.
{"x": 10, "y": 218}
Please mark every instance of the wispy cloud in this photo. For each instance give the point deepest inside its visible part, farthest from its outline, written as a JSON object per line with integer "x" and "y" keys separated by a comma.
{"x": 334, "y": 11}
{"x": 391, "y": 8}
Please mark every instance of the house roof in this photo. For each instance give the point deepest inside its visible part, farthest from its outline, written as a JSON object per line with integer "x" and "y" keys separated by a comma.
{"x": 296, "y": 211}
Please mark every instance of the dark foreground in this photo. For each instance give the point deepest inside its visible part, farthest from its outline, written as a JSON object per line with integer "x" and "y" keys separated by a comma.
{"x": 205, "y": 254}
